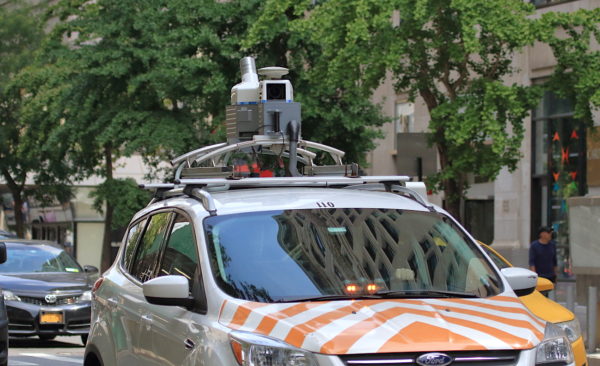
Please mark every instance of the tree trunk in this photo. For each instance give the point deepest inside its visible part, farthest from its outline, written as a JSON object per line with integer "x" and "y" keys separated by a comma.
{"x": 106, "y": 259}
{"x": 453, "y": 193}
{"x": 453, "y": 188}
{"x": 16, "y": 191}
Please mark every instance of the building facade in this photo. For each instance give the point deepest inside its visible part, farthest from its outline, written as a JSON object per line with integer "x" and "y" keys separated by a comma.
{"x": 556, "y": 163}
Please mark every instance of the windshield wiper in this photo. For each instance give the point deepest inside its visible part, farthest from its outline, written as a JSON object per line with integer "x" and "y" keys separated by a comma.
{"x": 385, "y": 294}
{"x": 329, "y": 297}
{"x": 424, "y": 293}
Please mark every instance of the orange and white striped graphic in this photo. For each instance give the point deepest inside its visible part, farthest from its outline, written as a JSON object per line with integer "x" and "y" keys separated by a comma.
{"x": 406, "y": 325}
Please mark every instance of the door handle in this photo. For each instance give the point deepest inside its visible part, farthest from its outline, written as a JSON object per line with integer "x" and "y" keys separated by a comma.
{"x": 147, "y": 321}
{"x": 112, "y": 302}
{"x": 189, "y": 344}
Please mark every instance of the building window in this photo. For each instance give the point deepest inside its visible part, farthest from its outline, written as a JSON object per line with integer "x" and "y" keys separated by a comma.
{"x": 558, "y": 169}
{"x": 404, "y": 116}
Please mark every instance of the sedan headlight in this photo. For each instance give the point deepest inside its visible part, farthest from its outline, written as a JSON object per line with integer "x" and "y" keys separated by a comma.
{"x": 571, "y": 328}
{"x": 86, "y": 296}
{"x": 255, "y": 350}
{"x": 9, "y": 296}
{"x": 555, "y": 347}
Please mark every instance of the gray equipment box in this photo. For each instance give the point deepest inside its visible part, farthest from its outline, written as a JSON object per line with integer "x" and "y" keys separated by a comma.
{"x": 271, "y": 118}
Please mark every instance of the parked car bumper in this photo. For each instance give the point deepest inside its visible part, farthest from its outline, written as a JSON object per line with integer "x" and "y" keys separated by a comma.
{"x": 579, "y": 352}
{"x": 24, "y": 319}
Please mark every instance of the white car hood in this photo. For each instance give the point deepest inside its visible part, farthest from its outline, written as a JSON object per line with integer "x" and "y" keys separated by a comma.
{"x": 380, "y": 326}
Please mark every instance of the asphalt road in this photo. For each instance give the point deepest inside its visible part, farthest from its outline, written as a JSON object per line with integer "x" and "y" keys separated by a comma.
{"x": 62, "y": 351}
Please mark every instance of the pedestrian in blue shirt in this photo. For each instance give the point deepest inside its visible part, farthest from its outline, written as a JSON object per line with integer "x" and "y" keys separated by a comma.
{"x": 542, "y": 254}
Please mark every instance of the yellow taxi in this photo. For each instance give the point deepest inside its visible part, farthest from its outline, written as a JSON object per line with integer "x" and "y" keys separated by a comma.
{"x": 547, "y": 309}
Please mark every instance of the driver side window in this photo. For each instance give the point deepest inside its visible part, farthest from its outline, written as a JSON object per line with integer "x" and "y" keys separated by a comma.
{"x": 180, "y": 255}
{"x": 146, "y": 256}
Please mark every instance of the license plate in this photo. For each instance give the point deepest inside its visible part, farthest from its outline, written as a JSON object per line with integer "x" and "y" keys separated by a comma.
{"x": 51, "y": 318}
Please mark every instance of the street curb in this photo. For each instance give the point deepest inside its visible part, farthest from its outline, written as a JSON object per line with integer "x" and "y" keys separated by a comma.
{"x": 593, "y": 359}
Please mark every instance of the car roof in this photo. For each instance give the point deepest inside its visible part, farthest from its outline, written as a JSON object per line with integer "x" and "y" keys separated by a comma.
{"x": 7, "y": 234}
{"x": 290, "y": 198}
{"x": 31, "y": 242}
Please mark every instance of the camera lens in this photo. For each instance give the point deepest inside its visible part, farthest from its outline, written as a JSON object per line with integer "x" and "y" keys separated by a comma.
{"x": 275, "y": 91}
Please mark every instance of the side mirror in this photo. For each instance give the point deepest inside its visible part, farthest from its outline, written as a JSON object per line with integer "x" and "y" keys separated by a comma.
{"x": 170, "y": 290}
{"x": 522, "y": 281}
{"x": 544, "y": 284}
{"x": 90, "y": 269}
{"x": 2, "y": 253}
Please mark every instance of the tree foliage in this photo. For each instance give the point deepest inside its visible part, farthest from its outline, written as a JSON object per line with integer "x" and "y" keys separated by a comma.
{"x": 453, "y": 54}
{"x": 154, "y": 78}
{"x": 573, "y": 38}
{"x": 333, "y": 113}
{"x": 124, "y": 196}
{"x": 25, "y": 152}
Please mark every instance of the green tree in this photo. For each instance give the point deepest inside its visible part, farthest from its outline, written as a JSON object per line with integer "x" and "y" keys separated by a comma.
{"x": 24, "y": 151}
{"x": 149, "y": 78}
{"x": 453, "y": 54}
{"x": 335, "y": 114}
{"x": 154, "y": 78}
{"x": 572, "y": 38}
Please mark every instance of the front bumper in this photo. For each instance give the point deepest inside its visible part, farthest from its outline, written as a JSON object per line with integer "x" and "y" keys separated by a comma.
{"x": 579, "y": 352}
{"x": 24, "y": 319}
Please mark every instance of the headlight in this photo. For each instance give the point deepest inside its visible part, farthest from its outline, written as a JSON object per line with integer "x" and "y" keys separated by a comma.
{"x": 255, "y": 350}
{"x": 9, "y": 296}
{"x": 86, "y": 296}
{"x": 571, "y": 328}
{"x": 555, "y": 347}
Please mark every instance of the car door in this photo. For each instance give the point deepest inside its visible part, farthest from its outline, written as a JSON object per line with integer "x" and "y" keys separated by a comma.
{"x": 117, "y": 305}
{"x": 137, "y": 314}
{"x": 174, "y": 335}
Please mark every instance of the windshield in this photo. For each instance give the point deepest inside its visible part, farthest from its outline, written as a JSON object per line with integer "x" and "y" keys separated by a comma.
{"x": 40, "y": 258}
{"x": 301, "y": 254}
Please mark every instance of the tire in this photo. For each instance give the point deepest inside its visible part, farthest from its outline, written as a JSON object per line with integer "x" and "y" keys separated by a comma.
{"x": 84, "y": 338}
{"x": 46, "y": 337}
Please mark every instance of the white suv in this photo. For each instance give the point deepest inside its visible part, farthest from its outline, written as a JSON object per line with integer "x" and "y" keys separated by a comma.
{"x": 309, "y": 276}
{"x": 233, "y": 265}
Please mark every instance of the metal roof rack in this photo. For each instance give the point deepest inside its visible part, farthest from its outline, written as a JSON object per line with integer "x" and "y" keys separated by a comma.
{"x": 204, "y": 170}
{"x": 210, "y": 161}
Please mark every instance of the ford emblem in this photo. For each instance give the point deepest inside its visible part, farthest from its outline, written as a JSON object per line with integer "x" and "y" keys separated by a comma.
{"x": 50, "y": 298}
{"x": 434, "y": 359}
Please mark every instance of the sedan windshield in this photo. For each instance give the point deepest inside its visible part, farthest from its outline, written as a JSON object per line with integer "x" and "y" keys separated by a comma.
{"x": 23, "y": 258}
{"x": 318, "y": 254}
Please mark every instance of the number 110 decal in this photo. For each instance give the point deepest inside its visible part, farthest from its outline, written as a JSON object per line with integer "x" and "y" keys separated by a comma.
{"x": 325, "y": 204}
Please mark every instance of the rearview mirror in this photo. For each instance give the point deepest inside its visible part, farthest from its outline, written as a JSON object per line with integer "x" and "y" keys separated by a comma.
{"x": 90, "y": 269}
{"x": 521, "y": 280}
{"x": 168, "y": 290}
{"x": 544, "y": 284}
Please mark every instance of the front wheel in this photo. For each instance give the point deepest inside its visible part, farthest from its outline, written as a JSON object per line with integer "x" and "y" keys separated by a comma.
{"x": 84, "y": 338}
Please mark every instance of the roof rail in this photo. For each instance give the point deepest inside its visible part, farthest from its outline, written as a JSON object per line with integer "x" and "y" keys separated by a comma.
{"x": 395, "y": 188}
{"x": 326, "y": 181}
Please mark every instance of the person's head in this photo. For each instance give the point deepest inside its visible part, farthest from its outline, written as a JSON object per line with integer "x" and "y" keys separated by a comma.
{"x": 545, "y": 234}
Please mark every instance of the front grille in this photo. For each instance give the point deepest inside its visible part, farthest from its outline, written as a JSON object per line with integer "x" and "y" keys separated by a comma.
{"x": 461, "y": 358}
{"x": 42, "y": 301}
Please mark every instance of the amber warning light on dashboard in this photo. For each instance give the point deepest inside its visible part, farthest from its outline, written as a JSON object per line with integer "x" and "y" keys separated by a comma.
{"x": 354, "y": 289}
{"x": 372, "y": 288}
